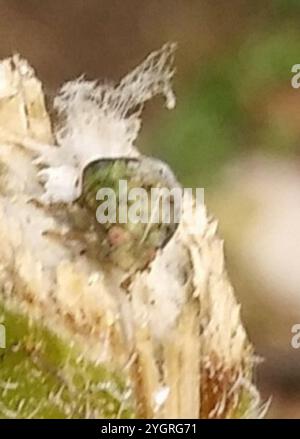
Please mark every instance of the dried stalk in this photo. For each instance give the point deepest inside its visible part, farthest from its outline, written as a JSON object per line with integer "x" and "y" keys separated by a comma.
{"x": 170, "y": 345}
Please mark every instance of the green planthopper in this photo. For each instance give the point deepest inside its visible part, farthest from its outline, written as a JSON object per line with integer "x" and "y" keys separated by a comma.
{"x": 137, "y": 202}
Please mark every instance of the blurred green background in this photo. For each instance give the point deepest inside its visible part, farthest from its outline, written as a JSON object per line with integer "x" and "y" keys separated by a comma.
{"x": 235, "y": 131}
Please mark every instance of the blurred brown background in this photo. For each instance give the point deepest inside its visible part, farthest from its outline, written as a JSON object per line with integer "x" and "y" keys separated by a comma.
{"x": 235, "y": 131}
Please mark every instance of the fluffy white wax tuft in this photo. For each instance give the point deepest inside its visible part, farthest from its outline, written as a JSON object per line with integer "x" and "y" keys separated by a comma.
{"x": 102, "y": 120}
